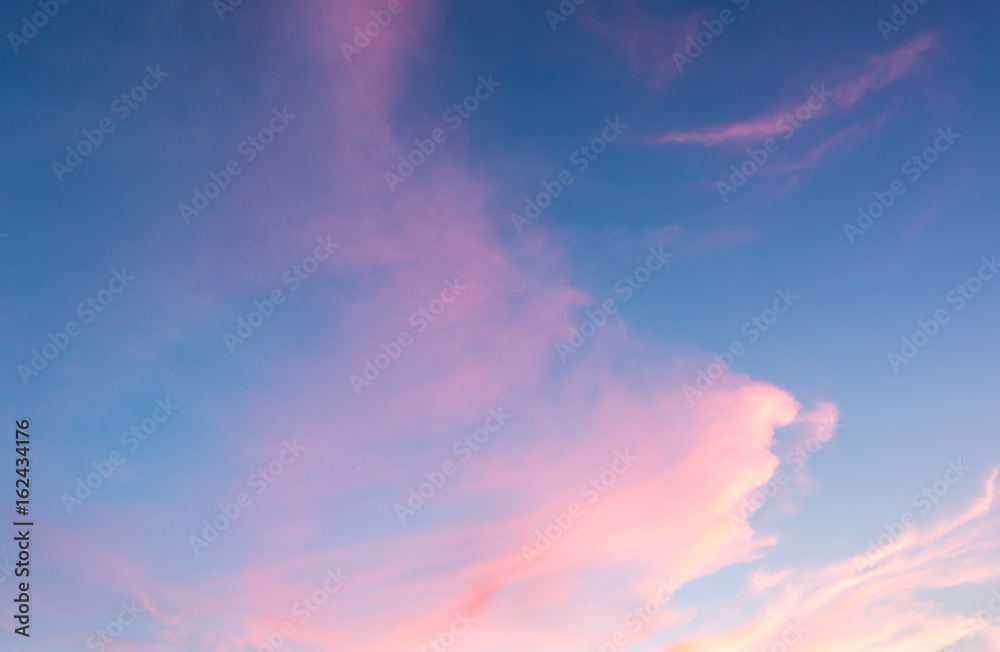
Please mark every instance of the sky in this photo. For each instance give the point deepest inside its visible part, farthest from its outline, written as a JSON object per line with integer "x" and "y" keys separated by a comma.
{"x": 557, "y": 326}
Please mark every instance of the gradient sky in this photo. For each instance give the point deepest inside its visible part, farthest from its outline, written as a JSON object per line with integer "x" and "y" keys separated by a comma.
{"x": 843, "y": 437}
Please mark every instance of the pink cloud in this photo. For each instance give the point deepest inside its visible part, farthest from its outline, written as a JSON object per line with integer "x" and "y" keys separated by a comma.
{"x": 878, "y": 71}
{"x": 660, "y": 519}
{"x": 742, "y": 132}
{"x": 885, "y": 608}
{"x": 839, "y": 143}
{"x": 846, "y": 138}
{"x": 882, "y": 69}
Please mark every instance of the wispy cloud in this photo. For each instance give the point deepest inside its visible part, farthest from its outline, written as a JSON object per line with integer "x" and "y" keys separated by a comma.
{"x": 885, "y": 609}
{"x": 845, "y": 89}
